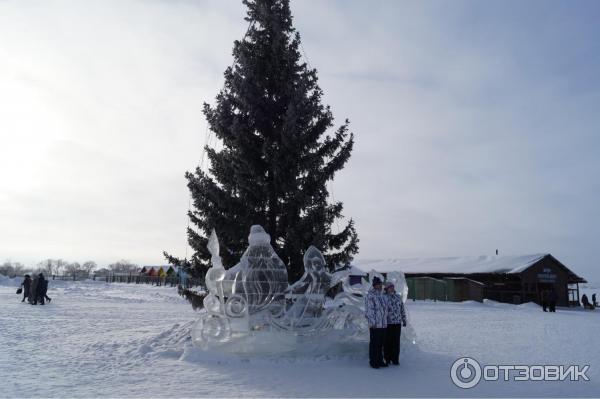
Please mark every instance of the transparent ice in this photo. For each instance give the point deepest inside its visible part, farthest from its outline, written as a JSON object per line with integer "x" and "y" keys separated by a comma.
{"x": 305, "y": 299}
{"x": 250, "y": 308}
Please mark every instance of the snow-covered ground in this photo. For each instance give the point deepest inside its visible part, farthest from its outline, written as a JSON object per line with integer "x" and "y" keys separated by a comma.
{"x": 98, "y": 339}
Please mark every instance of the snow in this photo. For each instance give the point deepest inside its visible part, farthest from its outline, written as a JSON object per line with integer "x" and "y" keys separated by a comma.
{"x": 466, "y": 264}
{"x": 98, "y": 339}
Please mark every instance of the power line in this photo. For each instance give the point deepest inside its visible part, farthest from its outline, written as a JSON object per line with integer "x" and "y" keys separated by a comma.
{"x": 305, "y": 56}
{"x": 333, "y": 202}
{"x": 208, "y": 135}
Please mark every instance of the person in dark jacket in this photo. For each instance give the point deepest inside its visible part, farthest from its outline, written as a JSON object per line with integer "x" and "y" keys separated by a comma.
{"x": 552, "y": 299}
{"x": 545, "y": 300}
{"x": 376, "y": 314}
{"x": 42, "y": 289}
{"x": 26, "y": 284}
{"x": 396, "y": 319}
{"x": 46, "y": 282}
{"x": 586, "y": 302}
{"x": 594, "y": 303}
{"x": 33, "y": 290}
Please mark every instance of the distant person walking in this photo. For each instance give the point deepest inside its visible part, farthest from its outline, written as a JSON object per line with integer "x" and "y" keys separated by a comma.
{"x": 545, "y": 301}
{"x": 552, "y": 299}
{"x": 376, "y": 314}
{"x": 42, "y": 289}
{"x": 586, "y": 302}
{"x": 26, "y": 284}
{"x": 33, "y": 291}
{"x": 396, "y": 319}
{"x": 594, "y": 301}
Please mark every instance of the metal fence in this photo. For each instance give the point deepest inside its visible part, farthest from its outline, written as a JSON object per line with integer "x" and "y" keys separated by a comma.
{"x": 427, "y": 288}
{"x": 167, "y": 281}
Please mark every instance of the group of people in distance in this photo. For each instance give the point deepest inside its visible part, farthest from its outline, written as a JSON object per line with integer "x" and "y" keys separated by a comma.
{"x": 549, "y": 299}
{"x": 586, "y": 302}
{"x": 35, "y": 290}
{"x": 386, "y": 316}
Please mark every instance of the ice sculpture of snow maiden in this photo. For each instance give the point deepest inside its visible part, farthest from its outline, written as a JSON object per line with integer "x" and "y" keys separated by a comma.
{"x": 251, "y": 308}
{"x": 305, "y": 299}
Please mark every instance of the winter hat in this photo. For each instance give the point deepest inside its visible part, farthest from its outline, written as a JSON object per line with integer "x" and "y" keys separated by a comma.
{"x": 376, "y": 281}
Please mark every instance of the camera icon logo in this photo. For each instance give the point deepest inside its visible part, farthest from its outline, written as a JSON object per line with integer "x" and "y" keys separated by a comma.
{"x": 465, "y": 372}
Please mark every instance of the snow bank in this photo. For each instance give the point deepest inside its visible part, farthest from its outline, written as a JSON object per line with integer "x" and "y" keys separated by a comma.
{"x": 10, "y": 282}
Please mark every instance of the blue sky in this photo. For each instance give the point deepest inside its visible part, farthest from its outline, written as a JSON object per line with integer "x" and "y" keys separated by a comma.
{"x": 476, "y": 123}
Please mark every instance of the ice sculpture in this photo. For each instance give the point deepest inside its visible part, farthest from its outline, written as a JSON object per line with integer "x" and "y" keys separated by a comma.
{"x": 305, "y": 299}
{"x": 212, "y": 326}
{"x": 216, "y": 272}
{"x": 263, "y": 274}
{"x": 308, "y": 293}
{"x": 349, "y": 303}
{"x": 250, "y": 308}
{"x": 242, "y": 298}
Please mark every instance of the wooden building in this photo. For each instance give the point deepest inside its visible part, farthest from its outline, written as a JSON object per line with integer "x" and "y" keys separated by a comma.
{"x": 158, "y": 271}
{"x": 513, "y": 279}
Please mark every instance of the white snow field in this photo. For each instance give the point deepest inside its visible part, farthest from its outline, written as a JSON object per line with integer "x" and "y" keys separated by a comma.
{"x": 119, "y": 340}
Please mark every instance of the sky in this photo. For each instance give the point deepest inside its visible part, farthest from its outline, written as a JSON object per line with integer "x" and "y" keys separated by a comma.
{"x": 476, "y": 123}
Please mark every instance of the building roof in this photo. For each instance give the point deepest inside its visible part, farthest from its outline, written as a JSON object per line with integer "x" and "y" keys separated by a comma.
{"x": 458, "y": 265}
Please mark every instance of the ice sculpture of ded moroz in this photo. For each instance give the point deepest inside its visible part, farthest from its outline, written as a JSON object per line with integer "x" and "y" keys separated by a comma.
{"x": 251, "y": 307}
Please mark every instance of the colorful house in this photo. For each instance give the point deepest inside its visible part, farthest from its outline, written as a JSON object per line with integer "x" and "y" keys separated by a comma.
{"x": 158, "y": 271}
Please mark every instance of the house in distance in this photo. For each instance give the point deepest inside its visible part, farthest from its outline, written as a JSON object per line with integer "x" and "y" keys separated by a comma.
{"x": 158, "y": 271}
{"x": 512, "y": 279}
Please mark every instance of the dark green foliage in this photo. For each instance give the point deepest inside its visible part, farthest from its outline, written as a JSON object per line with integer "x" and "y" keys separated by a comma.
{"x": 193, "y": 297}
{"x": 277, "y": 156}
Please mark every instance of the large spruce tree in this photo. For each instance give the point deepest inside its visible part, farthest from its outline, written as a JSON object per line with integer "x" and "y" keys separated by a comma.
{"x": 276, "y": 156}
